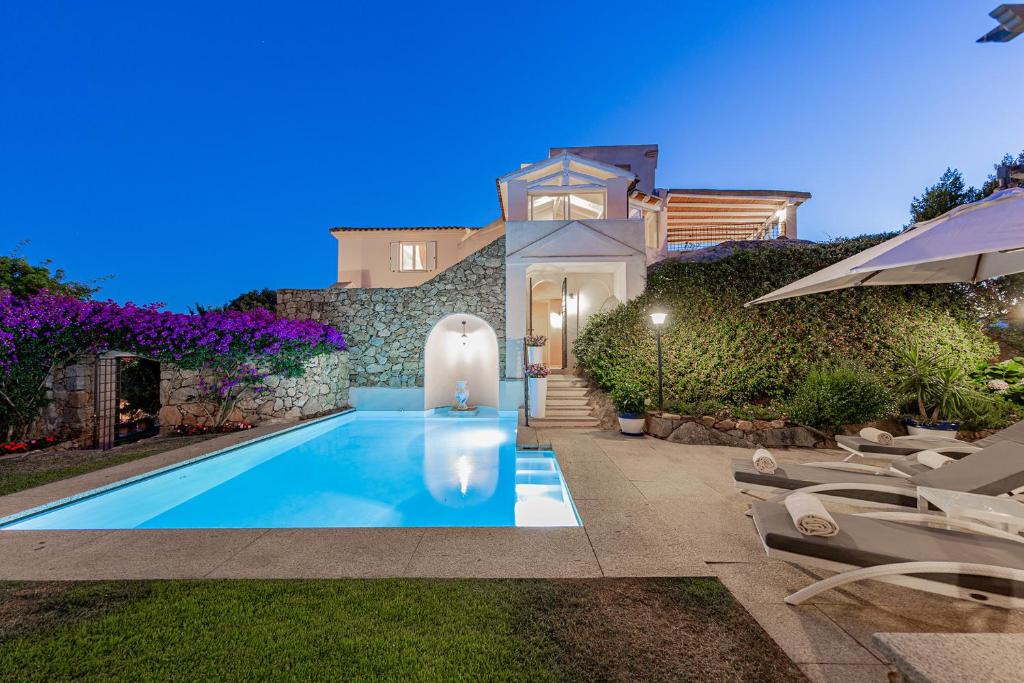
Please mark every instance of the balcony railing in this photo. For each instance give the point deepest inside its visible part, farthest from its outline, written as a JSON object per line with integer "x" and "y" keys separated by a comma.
{"x": 691, "y": 237}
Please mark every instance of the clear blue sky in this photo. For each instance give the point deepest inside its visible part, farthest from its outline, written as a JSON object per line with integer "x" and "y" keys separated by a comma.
{"x": 197, "y": 150}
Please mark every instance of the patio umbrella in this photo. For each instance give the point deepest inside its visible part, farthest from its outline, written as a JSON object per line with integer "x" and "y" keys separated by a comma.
{"x": 970, "y": 243}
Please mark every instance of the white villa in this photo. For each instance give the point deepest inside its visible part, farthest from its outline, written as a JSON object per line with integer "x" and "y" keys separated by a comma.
{"x": 581, "y": 227}
{"x": 579, "y": 230}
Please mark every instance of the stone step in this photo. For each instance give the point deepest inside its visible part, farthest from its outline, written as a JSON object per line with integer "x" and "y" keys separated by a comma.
{"x": 567, "y": 402}
{"x": 566, "y": 422}
{"x": 565, "y": 382}
{"x": 567, "y": 392}
{"x": 567, "y": 410}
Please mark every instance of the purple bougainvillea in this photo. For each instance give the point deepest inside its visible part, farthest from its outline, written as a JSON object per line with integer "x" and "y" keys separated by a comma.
{"x": 43, "y": 331}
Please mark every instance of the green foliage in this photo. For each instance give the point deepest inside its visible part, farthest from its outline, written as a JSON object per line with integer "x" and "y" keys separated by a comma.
{"x": 140, "y": 385}
{"x": 831, "y": 397}
{"x": 630, "y": 398}
{"x": 1004, "y": 379}
{"x": 994, "y": 412}
{"x": 950, "y": 192}
{"x": 716, "y": 350}
{"x": 933, "y": 384}
{"x": 246, "y": 301}
{"x": 21, "y": 278}
{"x": 251, "y": 300}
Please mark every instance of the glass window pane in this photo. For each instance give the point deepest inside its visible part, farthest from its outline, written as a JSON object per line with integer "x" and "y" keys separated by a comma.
{"x": 414, "y": 255}
{"x": 547, "y": 207}
{"x": 590, "y": 205}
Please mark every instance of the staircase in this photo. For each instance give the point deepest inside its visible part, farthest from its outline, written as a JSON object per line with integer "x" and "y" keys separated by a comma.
{"x": 567, "y": 404}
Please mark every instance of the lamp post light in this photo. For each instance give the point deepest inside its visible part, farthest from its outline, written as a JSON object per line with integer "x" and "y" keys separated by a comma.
{"x": 659, "y": 319}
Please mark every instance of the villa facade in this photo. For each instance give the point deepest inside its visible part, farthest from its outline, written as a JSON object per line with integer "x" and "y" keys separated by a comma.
{"x": 575, "y": 235}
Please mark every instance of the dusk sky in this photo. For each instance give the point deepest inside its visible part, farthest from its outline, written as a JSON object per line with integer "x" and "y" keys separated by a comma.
{"x": 198, "y": 150}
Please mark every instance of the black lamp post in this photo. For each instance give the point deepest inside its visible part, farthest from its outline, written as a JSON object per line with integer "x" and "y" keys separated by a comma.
{"x": 659, "y": 319}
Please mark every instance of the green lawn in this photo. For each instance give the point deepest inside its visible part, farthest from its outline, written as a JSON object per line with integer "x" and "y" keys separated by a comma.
{"x": 43, "y": 467}
{"x": 422, "y": 630}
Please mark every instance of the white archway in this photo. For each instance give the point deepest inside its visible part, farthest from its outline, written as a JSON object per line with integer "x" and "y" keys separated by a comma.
{"x": 449, "y": 356}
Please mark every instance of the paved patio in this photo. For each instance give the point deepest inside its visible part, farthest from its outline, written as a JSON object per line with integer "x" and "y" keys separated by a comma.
{"x": 649, "y": 507}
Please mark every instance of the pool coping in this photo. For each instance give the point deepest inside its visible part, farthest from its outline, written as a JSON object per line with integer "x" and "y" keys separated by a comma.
{"x": 121, "y": 483}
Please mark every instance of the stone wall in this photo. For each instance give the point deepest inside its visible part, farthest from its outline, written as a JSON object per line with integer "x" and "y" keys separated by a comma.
{"x": 387, "y": 329}
{"x": 726, "y": 431}
{"x": 323, "y": 388}
{"x": 71, "y": 412}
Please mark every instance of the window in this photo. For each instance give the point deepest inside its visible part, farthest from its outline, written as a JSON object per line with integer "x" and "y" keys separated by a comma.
{"x": 413, "y": 256}
{"x": 560, "y": 207}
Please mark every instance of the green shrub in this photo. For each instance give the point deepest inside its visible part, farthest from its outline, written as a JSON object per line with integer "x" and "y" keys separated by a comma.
{"x": 831, "y": 397}
{"x": 990, "y": 413}
{"x": 716, "y": 350}
{"x": 630, "y": 398}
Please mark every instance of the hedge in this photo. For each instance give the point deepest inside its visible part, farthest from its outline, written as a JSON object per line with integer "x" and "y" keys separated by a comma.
{"x": 714, "y": 349}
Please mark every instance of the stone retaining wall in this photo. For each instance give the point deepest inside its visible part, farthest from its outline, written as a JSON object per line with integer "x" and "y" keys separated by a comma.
{"x": 71, "y": 412}
{"x": 323, "y": 388}
{"x": 387, "y": 328}
{"x": 713, "y": 430}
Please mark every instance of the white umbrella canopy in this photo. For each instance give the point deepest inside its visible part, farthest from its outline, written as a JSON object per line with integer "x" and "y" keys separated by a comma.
{"x": 970, "y": 243}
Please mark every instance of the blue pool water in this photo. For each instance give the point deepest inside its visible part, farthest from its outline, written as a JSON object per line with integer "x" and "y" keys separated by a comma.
{"x": 354, "y": 470}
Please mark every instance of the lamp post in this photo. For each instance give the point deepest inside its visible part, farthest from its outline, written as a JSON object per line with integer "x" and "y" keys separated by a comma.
{"x": 659, "y": 319}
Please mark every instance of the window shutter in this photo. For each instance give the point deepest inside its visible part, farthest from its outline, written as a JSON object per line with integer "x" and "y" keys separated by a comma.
{"x": 395, "y": 249}
{"x": 431, "y": 255}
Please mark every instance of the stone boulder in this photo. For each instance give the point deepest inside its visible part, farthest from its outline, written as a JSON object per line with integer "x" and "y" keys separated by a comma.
{"x": 698, "y": 434}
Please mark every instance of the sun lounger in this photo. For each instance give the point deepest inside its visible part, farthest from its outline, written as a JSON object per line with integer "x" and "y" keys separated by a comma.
{"x": 903, "y": 447}
{"x": 993, "y": 471}
{"x": 968, "y": 560}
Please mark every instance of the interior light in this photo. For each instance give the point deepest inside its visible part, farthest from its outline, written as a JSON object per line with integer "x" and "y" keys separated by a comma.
{"x": 465, "y": 337}
{"x": 780, "y": 216}
{"x": 555, "y": 320}
{"x": 658, "y": 318}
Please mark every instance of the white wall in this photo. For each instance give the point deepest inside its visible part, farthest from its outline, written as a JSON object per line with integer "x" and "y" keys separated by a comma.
{"x": 446, "y": 360}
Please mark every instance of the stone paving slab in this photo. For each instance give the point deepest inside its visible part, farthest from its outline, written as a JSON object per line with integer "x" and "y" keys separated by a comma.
{"x": 504, "y": 552}
{"x": 955, "y": 657}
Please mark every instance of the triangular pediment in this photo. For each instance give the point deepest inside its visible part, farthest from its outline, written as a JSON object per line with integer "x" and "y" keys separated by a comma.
{"x": 576, "y": 239}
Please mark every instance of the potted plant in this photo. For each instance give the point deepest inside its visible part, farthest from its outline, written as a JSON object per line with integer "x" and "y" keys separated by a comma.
{"x": 630, "y": 402}
{"x": 535, "y": 347}
{"x": 939, "y": 390}
{"x": 537, "y": 379}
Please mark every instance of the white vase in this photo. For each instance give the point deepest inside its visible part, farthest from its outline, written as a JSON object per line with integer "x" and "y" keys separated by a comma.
{"x": 633, "y": 426}
{"x": 461, "y": 394}
{"x": 538, "y": 395}
{"x": 535, "y": 354}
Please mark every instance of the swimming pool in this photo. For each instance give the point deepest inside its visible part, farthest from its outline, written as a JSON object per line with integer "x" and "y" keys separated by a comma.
{"x": 352, "y": 470}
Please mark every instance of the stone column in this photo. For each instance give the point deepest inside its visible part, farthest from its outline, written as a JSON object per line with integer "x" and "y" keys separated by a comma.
{"x": 789, "y": 226}
{"x": 516, "y": 302}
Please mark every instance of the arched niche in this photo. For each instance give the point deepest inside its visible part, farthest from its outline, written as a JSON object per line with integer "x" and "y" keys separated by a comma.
{"x": 449, "y": 357}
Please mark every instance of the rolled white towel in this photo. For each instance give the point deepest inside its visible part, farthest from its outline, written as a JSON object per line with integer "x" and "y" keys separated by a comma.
{"x": 764, "y": 461}
{"x": 932, "y": 459}
{"x": 810, "y": 516}
{"x": 876, "y": 435}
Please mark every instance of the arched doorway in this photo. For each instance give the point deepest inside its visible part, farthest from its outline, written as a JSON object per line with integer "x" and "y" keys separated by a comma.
{"x": 461, "y": 346}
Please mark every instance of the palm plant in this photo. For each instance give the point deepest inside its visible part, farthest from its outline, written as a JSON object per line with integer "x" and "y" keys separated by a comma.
{"x": 934, "y": 385}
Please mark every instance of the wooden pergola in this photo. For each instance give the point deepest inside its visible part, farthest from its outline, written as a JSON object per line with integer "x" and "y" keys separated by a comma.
{"x": 699, "y": 217}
